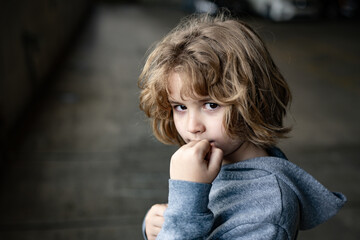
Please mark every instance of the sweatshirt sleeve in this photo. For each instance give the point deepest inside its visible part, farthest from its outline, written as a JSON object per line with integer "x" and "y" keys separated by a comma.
{"x": 187, "y": 215}
{"x": 255, "y": 231}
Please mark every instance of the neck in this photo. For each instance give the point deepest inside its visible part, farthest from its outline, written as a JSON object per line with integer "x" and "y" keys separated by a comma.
{"x": 246, "y": 151}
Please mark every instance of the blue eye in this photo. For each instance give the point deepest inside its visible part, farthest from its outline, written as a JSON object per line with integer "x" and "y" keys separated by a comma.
{"x": 211, "y": 106}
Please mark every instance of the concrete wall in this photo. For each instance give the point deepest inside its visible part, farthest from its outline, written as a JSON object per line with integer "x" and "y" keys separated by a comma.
{"x": 33, "y": 34}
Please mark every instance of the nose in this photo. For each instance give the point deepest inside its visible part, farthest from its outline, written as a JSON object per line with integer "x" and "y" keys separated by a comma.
{"x": 195, "y": 124}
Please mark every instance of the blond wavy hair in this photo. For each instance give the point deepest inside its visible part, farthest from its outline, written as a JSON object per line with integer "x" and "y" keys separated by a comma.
{"x": 222, "y": 58}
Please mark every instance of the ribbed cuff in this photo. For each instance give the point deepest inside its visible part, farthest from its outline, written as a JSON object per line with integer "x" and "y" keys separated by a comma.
{"x": 188, "y": 196}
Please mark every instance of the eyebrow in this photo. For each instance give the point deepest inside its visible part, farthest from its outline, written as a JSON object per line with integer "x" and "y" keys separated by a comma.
{"x": 206, "y": 99}
{"x": 172, "y": 102}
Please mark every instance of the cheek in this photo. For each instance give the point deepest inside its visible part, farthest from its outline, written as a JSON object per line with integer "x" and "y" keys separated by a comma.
{"x": 216, "y": 131}
{"x": 218, "y": 125}
{"x": 178, "y": 125}
{"x": 222, "y": 135}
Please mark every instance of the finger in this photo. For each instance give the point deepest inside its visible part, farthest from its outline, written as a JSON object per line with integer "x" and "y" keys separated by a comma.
{"x": 155, "y": 221}
{"x": 152, "y": 233}
{"x": 207, "y": 150}
{"x": 160, "y": 209}
{"x": 156, "y": 215}
{"x": 153, "y": 226}
{"x": 208, "y": 154}
{"x": 191, "y": 144}
{"x": 156, "y": 230}
{"x": 204, "y": 147}
{"x": 216, "y": 158}
{"x": 158, "y": 221}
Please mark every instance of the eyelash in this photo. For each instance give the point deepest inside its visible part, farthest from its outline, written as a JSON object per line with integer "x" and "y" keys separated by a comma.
{"x": 210, "y": 108}
{"x": 175, "y": 107}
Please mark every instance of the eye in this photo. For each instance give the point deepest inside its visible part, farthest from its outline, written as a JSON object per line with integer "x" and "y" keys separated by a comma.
{"x": 211, "y": 106}
{"x": 179, "y": 108}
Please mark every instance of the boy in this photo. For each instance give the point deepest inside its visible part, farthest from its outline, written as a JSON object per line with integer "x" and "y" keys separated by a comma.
{"x": 212, "y": 87}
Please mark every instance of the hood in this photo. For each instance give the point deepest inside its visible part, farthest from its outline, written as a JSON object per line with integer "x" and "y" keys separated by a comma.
{"x": 317, "y": 203}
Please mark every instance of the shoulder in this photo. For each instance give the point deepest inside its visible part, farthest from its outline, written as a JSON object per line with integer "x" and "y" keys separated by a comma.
{"x": 248, "y": 195}
{"x": 253, "y": 190}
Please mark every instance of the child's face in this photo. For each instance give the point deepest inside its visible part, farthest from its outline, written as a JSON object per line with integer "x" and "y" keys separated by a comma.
{"x": 201, "y": 118}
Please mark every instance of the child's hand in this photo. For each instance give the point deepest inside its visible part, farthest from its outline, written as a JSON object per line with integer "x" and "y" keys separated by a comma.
{"x": 154, "y": 220}
{"x": 197, "y": 161}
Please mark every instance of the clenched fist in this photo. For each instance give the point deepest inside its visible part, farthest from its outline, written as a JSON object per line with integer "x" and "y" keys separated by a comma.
{"x": 154, "y": 220}
{"x": 197, "y": 161}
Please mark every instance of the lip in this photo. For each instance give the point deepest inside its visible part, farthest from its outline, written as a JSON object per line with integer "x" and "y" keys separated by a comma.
{"x": 190, "y": 140}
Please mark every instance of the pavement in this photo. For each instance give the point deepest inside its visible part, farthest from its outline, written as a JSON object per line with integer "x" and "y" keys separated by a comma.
{"x": 84, "y": 163}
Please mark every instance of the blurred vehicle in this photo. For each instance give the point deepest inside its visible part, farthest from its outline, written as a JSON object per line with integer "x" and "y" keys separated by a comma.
{"x": 339, "y": 8}
{"x": 284, "y": 10}
{"x": 280, "y": 10}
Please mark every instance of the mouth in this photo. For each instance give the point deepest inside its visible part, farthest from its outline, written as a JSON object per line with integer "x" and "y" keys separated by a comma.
{"x": 190, "y": 140}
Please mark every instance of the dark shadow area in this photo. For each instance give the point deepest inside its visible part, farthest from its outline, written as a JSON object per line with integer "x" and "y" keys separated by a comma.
{"x": 20, "y": 102}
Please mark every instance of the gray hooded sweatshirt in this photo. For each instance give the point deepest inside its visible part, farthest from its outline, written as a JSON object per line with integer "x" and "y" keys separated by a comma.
{"x": 260, "y": 198}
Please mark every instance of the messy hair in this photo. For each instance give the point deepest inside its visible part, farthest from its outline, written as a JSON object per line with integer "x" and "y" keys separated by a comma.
{"x": 223, "y": 58}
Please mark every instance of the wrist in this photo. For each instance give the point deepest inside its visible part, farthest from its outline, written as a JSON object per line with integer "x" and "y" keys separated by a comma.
{"x": 188, "y": 196}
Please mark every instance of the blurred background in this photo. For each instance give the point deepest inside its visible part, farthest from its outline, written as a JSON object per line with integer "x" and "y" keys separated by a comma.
{"x": 78, "y": 159}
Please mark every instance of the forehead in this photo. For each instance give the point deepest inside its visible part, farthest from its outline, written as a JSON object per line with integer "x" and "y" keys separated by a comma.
{"x": 174, "y": 84}
{"x": 180, "y": 86}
